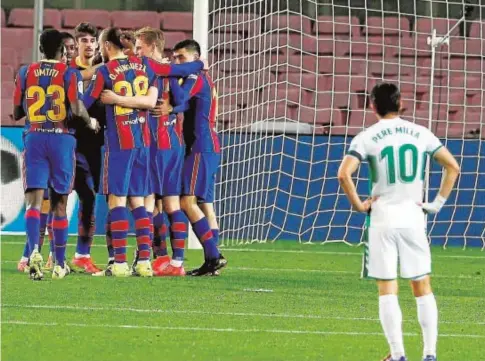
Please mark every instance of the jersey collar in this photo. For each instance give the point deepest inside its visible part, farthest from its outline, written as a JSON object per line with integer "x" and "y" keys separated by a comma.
{"x": 79, "y": 63}
{"x": 119, "y": 57}
{"x": 50, "y": 61}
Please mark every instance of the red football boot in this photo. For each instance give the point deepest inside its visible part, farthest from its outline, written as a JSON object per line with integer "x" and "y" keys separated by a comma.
{"x": 160, "y": 262}
{"x": 84, "y": 264}
{"x": 170, "y": 271}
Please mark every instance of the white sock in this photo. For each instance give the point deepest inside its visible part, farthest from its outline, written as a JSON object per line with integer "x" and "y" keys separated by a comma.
{"x": 145, "y": 261}
{"x": 78, "y": 255}
{"x": 24, "y": 259}
{"x": 176, "y": 263}
{"x": 428, "y": 319}
{"x": 391, "y": 320}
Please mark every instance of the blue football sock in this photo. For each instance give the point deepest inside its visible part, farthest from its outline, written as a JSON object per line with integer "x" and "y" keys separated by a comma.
{"x": 204, "y": 234}
{"x": 119, "y": 232}
{"x": 26, "y": 253}
{"x": 178, "y": 234}
{"x": 32, "y": 225}
{"x": 215, "y": 234}
{"x": 43, "y": 225}
{"x": 142, "y": 230}
{"x": 109, "y": 238}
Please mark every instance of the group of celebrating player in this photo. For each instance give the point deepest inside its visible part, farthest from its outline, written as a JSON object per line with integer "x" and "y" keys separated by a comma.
{"x": 140, "y": 131}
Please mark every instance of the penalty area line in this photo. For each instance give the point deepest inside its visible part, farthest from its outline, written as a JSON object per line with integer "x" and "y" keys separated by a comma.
{"x": 227, "y": 330}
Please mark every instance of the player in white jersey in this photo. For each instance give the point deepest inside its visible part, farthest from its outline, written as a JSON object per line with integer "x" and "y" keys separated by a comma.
{"x": 396, "y": 151}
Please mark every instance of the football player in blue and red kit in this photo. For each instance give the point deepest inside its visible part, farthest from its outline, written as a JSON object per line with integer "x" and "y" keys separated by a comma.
{"x": 167, "y": 156}
{"x": 125, "y": 168}
{"x": 203, "y": 154}
{"x": 88, "y": 156}
{"x": 46, "y": 92}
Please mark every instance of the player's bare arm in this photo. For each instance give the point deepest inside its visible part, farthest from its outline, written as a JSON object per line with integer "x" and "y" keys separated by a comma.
{"x": 79, "y": 111}
{"x": 450, "y": 175}
{"x": 147, "y": 101}
{"x": 348, "y": 167}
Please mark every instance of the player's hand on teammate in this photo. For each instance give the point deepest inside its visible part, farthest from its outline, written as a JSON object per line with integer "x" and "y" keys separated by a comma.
{"x": 109, "y": 97}
{"x": 94, "y": 125}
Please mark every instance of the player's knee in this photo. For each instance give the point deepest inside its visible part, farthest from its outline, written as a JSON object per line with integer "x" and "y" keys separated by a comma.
{"x": 387, "y": 287}
{"x": 421, "y": 286}
{"x": 171, "y": 205}
{"x": 59, "y": 204}
{"x": 34, "y": 198}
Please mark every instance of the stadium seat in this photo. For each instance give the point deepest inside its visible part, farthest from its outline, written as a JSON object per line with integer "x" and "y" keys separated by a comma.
{"x": 283, "y": 91}
{"x": 454, "y": 130}
{"x": 461, "y": 48}
{"x": 307, "y": 81}
{"x": 334, "y": 100}
{"x": 411, "y": 47}
{"x": 477, "y": 29}
{"x": 386, "y": 26}
{"x": 324, "y": 46}
{"x": 177, "y": 21}
{"x": 319, "y": 116}
{"x": 72, "y": 17}
{"x": 290, "y": 23}
{"x": 240, "y": 63}
{"x": 353, "y": 84}
{"x": 273, "y": 110}
{"x": 348, "y": 66}
{"x": 454, "y": 67}
{"x": 273, "y": 43}
{"x": 236, "y": 23}
{"x": 8, "y": 73}
{"x": 236, "y": 96}
{"x": 365, "y": 49}
{"x": 12, "y": 37}
{"x": 172, "y": 38}
{"x": 24, "y": 18}
{"x": 135, "y": 19}
{"x": 361, "y": 119}
{"x": 425, "y": 26}
{"x": 248, "y": 80}
{"x": 331, "y": 26}
{"x": 25, "y": 56}
{"x": 227, "y": 42}
{"x": 7, "y": 108}
{"x": 10, "y": 56}
{"x": 8, "y": 88}
{"x": 3, "y": 18}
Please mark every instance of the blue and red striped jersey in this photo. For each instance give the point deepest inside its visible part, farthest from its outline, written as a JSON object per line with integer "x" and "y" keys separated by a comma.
{"x": 45, "y": 90}
{"x": 126, "y": 128}
{"x": 200, "y": 132}
{"x": 166, "y": 129}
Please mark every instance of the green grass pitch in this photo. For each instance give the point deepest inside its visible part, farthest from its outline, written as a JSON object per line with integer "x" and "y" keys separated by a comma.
{"x": 282, "y": 301}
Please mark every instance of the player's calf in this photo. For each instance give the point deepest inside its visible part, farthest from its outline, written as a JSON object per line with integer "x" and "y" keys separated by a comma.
{"x": 59, "y": 226}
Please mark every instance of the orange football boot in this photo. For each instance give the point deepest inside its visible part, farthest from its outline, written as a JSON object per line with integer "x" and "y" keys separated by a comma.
{"x": 170, "y": 271}
{"x": 160, "y": 262}
{"x": 84, "y": 264}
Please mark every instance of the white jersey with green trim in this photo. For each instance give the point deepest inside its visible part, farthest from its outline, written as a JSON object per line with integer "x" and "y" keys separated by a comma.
{"x": 396, "y": 151}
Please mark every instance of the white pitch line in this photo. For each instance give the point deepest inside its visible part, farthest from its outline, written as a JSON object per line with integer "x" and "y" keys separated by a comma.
{"x": 303, "y": 270}
{"x": 196, "y": 312}
{"x": 234, "y": 330}
{"x": 223, "y": 249}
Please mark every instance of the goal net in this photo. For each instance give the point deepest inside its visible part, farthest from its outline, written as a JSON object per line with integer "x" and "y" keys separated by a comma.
{"x": 294, "y": 79}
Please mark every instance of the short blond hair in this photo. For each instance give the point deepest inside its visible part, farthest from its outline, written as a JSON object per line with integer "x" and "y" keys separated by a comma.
{"x": 151, "y": 36}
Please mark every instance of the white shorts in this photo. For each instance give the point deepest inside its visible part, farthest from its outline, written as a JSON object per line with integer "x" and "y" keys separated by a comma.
{"x": 384, "y": 247}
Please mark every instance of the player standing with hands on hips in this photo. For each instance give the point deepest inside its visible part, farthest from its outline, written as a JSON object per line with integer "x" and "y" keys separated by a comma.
{"x": 397, "y": 151}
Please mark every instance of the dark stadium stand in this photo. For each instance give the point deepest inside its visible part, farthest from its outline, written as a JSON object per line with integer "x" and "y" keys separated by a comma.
{"x": 290, "y": 67}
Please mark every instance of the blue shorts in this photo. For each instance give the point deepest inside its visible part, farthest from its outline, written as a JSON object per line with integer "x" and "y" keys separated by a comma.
{"x": 46, "y": 194}
{"x": 166, "y": 171}
{"x": 49, "y": 161}
{"x": 199, "y": 175}
{"x": 126, "y": 172}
